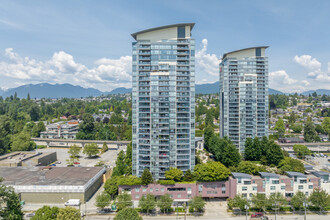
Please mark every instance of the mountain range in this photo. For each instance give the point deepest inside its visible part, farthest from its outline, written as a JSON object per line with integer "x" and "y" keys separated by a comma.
{"x": 46, "y": 90}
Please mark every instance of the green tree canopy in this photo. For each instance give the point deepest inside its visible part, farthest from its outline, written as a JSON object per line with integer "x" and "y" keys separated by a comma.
{"x": 74, "y": 151}
{"x": 298, "y": 200}
{"x": 102, "y": 200}
{"x": 197, "y": 204}
{"x": 22, "y": 142}
{"x": 147, "y": 203}
{"x": 249, "y": 168}
{"x": 210, "y": 172}
{"x": 280, "y": 127}
{"x": 274, "y": 154}
{"x": 188, "y": 176}
{"x": 290, "y": 164}
{"x": 301, "y": 150}
{"x": 174, "y": 174}
{"x": 128, "y": 214}
{"x": 46, "y": 213}
{"x": 104, "y": 147}
{"x": 309, "y": 131}
{"x": 319, "y": 198}
{"x": 91, "y": 149}
{"x": 68, "y": 213}
{"x": 165, "y": 203}
{"x": 259, "y": 201}
{"x": 124, "y": 200}
{"x": 146, "y": 177}
{"x": 230, "y": 155}
{"x": 10, "y": 204}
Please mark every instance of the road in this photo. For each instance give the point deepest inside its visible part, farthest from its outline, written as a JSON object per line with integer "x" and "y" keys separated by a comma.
{"x": 282, "y": 217}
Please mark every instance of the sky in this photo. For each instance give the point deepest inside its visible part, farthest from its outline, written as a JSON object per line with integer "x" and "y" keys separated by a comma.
{"x": 88, "y": 43}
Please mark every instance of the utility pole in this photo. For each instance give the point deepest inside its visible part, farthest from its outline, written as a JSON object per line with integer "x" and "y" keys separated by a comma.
{"x": 185, "y": 211}
{"x": 177, "y": 211}
{"x": 275, "y": 204}
{"x": 246, "y": 211}
{"x": 305, "y": 205}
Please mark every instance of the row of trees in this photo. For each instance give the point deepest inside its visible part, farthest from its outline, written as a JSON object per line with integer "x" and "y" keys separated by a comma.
{"x": 56, "y": 213}
{"x": 318, "y": 198}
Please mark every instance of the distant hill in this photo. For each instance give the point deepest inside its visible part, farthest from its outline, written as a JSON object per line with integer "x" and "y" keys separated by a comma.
{"x": 46, "y": 90}
{"x": 274, "y": 92}
{"x": 121, "y": 90}
{"x": 318, "y": 91}
{"x": 212, "y": 88}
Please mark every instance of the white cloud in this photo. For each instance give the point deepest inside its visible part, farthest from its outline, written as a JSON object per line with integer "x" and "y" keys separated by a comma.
{"x": 206, "y": 63}
{"x": 308, "y": 62}
{"x": 62, "y": 68}
{"x": 281, "y": 77}
{"x": 305, "y": 82}
{"x": 314, "y": 66}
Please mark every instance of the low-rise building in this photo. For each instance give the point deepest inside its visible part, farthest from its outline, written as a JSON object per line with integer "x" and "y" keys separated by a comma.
{"x": 27, "y": 158}
{"x": 244, "y": 185}
{"x": 61, "y": 130}
{"x": 53, "y": 184}
{"x": 324, "y": 180}
{"x": 303, "y": 183}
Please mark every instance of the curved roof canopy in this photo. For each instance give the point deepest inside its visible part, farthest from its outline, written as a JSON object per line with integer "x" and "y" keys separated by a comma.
{"x": 249, "y": 48}
{"x": 163, "y": 27}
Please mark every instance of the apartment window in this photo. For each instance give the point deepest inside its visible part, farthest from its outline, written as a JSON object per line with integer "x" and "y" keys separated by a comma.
{"x": 189, "y": 188}
{"x": 151, "y": 189}
{"x": 136, "y": 196}
{"x": 223, "y": 188}
{"x": 162, "y": 189}
{"x": 144, "y": 189}
{"x": 251, "y": 195}
{"x": 137, "y": 189}
{"x": 181, "y": 32}
{"x": 244, "y": 195}
{"x": 300, "y": 187}
{"x": 306, "y": 193}
{"x": 156, "y": 189}
{"x": 272, "y": 188}
{"x": 258, "y": 52}
{"x": 310, "y": 187}
{"x": 239, "y": 180}
{"x": 282, "y": 187}
{"x": 255, "y": 188}
{"x": 189, "y": 195}
{"x": 244, "y": 188}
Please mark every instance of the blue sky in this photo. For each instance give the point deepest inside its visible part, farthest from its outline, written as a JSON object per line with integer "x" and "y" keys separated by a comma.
{"x": 88, "y": 43}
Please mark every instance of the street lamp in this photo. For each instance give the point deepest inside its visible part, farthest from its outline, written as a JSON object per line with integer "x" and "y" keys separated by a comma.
{"x": 246, "y": 211}
{"x": 305, "y": 206}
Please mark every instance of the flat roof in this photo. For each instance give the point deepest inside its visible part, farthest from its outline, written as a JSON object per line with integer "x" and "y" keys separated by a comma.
{"x": 242, "y": 175}
{"x": 224, "y": 56}
{"x": 320, "y": 173}
{"x": 54, "y": 176}
{"x": 266, "y": 174}
{"x": 163, "y": 27}
{"x": 295, "y": 174}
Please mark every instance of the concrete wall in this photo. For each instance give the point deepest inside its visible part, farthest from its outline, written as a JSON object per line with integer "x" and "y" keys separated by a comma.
{"x": 50, "y": 197}
{"x": 93, "y": 188}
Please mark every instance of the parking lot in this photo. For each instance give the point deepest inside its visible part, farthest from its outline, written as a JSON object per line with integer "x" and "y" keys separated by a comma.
{"x": 109, "y": 157}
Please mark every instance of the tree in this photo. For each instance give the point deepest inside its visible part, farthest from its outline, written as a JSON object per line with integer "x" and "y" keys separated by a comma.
{"x": 104, "y": 147}
{"x": 290, "y": 164}
{"x": 210, "y": 172}
{"x": 46, "y": 213}
{"x": 292, "y": 118}
{"x": 147, "y": 203}
{"x": 22, "y": 142}
{"x": 128, "y": 214}
{"x": 38, "y": 128}
{"x": 174, "y": 174}
{"x": 240, "y": 202}
{"x": 280, "y": 128}
{"x": 274, "y": 154}
{"x": 102, "y": 200}
{"x": 10, "y": 204}
{"x": 297, "y": 128}
{"x": 319, "y": 198}
{"x": 197, "y": 204}
{"x": 68, "y": 213}
{"x": 120, "y": 168}
{"x": 5, "y": 137}
{"x": 278, "y": 199}
{"x": 146, "y": 177}
{"x": 309, "y": 131}
{"x": 298, "y": 200}
{"x": 165, "y": 203}
{"x": 124, "y": 200}
{"x": 209, "y": 118}
{"x": 301, "y": 150}
{"x": 319, "y": 129}
{"x": 91, "y": 149}
{"x": 252, "y": 151}
{"x": 111, "y": 186}
{"x": 230, "y": 156}
{"x": 74, "y": 151}
{"x": 128, "y": 159}
{"x": 259, "y": 201}
{"x": 188, "y": 176}
{"x": 249, "y": 168}
{"x": 326, "y": 125}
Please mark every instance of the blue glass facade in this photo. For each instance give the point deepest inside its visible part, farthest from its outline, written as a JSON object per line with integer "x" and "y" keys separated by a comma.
{"x": 244, "y": 95}
{"x": 163, "y": 101}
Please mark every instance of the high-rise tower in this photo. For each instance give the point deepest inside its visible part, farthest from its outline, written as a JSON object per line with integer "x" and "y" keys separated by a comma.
{"x": 244, "y": 95}
{"x": 163, "y": 99}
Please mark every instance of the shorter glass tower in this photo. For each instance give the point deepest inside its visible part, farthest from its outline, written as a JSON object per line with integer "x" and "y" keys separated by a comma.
{"x": 244, "y": 95}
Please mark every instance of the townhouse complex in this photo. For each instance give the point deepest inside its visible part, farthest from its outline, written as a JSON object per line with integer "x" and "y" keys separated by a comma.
{"x": 61, "y": 130}
{"x": 238, "y": 183}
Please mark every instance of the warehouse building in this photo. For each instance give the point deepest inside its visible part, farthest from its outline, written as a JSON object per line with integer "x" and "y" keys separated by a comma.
{"x": 27, "y": 158}
{"x": 53, "y": 184}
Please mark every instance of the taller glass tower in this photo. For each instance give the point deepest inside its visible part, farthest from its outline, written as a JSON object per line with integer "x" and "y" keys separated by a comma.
{"x": 244, "y": 95}
{"x": 163, "y": 99}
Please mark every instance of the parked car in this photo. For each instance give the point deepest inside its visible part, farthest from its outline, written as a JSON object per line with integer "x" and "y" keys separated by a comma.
{"x": 257, "y": 215}
{"x": 72, "y": 202}
{"x": 76, "y": 163}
